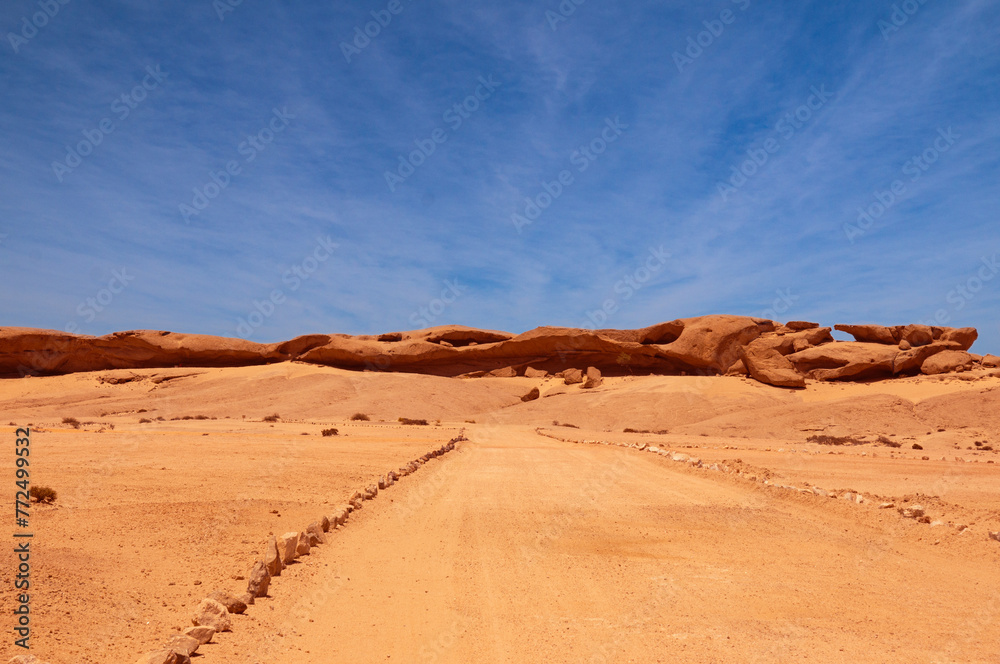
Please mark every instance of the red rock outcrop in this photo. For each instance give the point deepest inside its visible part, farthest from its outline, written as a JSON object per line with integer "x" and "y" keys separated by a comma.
{"x": 781, "y": 355}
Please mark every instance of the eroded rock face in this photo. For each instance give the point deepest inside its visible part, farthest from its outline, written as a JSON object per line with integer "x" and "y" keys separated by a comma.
{"x": 946, "y": 362}
{"x": 876, "y": 334}
{"x": 769, "y": 366}
{"x": 706, "y": 345}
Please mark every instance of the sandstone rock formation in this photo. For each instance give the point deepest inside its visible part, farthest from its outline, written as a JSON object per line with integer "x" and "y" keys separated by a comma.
{"x": 273, "y": 558}
{"x": 706, "y": 345}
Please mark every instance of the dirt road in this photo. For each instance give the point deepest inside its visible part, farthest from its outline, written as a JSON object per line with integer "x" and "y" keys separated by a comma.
{"x": 518, "y": 548}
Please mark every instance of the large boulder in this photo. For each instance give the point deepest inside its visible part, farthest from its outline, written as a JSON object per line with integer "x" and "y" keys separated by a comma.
{"x": 991, "y": 361}
{"x": 532, "y": 395}
{"x": 713, "y": 343}
{"x": 572, "y": 376}
{"x": 964, "y": 336}
{"x": 769, "y": 366}
{"x": 800, "y": 325}
{"x": 535, "y": 373}
{"x": 875, "y": 334}
{"x": 594, "y": 378}
{"x": 916, "y": 334}
{"x": 211, "y": 613}
{"x": 909, "y": 361}
{"x": 845, "y": 359}
{"x": 947, "y": 361}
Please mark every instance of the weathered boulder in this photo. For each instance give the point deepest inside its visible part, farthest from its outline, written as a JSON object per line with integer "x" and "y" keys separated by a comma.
{"x": 769, "y": 366}
{"x": 593, "y": 379}
{"x": 964, "y": 336}
{"x": 324, "y": 523}
{"x": 712, "y": 343}
{"x": 382, "y": 484}
{"x": 302, "y": 547}
{"x": 875, "y": 334}
{"x": 505, "y": 372}
{"x": 211, "y": 613}
{"x": 202, "y": 634}
{"x": 916, "y": 334}
{"x": 800, "y": 325}
{"x": 946, "y": 361}
{"x": 529, "y": 372}
{"x": 845, "y": 359}
{"x": 532, "y": 395}
{"x": 259, "y": 581}
{"x": 991, "y": 361}
{"x": 232, "y": 603}
{"x": 315, "y": 532}
{"x": 912, "y": 512}
{"x": 287, "y": 545}
{"x": 572, "y": 376}
{"x": 182, "y": 643}
{"x": 273, "y": 558}
{"x": 913, "y": 359}
{"x": 165, "y": 656}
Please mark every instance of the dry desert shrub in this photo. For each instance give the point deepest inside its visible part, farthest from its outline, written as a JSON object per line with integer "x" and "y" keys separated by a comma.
{"x": 42, "y": 494}
{"x": 330, "y": 432}
{"x": 272, "y": 418}
{"x": 72, "y": 421}
{"x": 360, "y": 417}
{"x": 407, "y": 420}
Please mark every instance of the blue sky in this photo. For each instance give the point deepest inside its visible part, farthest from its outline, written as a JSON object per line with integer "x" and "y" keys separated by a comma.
{"x": 644, "y": 109}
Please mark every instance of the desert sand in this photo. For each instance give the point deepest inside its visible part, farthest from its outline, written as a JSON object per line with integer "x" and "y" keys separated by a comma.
{"x": 714, "y": 530}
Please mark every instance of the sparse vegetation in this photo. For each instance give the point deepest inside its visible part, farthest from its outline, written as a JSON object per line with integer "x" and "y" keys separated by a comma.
{"x": 272, "y": 418}
{"x": 564, "y": 424}
{"x": 331, "y": 432}
{"x": 824, "y": 439}
{"x": 71, "y": 421}
{"x": 470, "y": 421}
{"x": 145, "y": 420}
{"x": 191, "y": 417}
{"x": 42, "y": 494}
{"x": 883, "y": 440}
{"x": 360, "y": 417}
{"x": 918, "y": 446}
{"x": 407, "y": 420}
